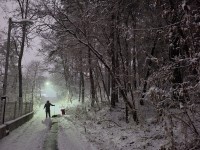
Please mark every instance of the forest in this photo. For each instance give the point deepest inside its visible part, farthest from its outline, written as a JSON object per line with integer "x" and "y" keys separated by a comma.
{"x": 139, "y": 57}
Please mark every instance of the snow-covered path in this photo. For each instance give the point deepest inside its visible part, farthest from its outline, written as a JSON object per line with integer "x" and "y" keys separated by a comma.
{"x": 70, "y": 138}
{"x": 31, "y": 136}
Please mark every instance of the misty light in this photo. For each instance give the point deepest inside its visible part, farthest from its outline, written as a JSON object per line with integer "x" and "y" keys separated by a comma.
{"x": 47, "y": 83}
{"x": 48, "y": 90}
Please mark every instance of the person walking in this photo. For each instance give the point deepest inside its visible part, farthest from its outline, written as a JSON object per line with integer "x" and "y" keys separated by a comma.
{"x": 47, "y": 109}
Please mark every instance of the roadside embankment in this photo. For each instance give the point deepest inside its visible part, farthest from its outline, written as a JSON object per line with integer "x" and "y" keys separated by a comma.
{"x": 11, "y": 125}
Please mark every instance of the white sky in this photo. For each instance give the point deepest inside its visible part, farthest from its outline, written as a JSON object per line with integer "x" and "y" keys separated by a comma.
{"x": 29, "y": 54}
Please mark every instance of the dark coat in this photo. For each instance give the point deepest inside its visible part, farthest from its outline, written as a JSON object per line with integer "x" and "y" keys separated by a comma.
{"x": 47, "y": 106}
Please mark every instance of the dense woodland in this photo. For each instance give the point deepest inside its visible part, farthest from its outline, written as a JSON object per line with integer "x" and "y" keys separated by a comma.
{"x": 106, "y": 51}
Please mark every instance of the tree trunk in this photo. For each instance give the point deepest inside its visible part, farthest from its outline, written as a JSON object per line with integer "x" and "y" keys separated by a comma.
{"x": 92, "y": 87}
{"x": 20, "y": 68}
{"x": 113, "y": 63}
{"x": 103, "y": 82}
{"x": 7, "y": 58}
{"x": 79, "y": 97}
{"x": 82, "y": 88}
{"x": 148, "y": 71}
{"x": 66, "y": 74}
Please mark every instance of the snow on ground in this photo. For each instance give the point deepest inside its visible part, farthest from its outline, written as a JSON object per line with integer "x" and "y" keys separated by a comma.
{"x": 107, "y": 129}
{"x": 29, "y": 136}
{"x": 70, "y": 138}
{"x": 85, "y": 129}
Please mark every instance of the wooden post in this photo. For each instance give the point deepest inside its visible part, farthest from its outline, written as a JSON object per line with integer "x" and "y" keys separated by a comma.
{"x": 4, "y": 108}
{"x": 15, "y": 109}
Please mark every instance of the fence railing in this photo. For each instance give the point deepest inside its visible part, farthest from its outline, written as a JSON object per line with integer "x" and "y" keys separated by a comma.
{"x": 10, "y": 110}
